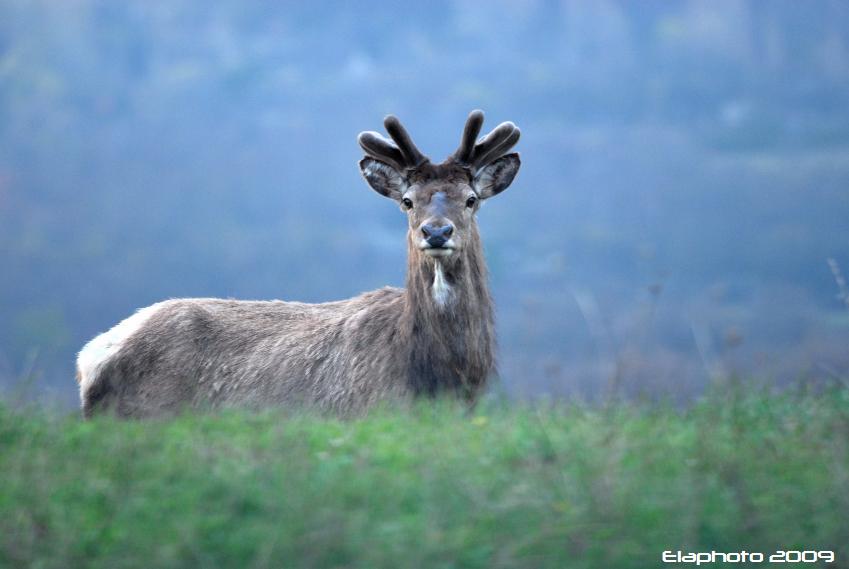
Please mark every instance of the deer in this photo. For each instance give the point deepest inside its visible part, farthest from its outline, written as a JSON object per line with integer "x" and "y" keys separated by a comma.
{"x": 434, "y": 337}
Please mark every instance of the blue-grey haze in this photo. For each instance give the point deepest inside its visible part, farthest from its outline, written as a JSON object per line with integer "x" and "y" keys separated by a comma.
{"x": 685, "y": 173}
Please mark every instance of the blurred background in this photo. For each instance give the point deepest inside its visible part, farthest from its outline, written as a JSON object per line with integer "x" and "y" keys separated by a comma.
{"x": 685, "y": 175}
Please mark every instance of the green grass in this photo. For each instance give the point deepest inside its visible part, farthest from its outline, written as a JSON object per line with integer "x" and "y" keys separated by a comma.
{"x": 556, "y": 486}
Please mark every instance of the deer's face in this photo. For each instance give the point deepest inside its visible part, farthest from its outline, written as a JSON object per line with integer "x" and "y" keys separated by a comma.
{"x": 440, "y": 200}
{"x": 441, "y": 215}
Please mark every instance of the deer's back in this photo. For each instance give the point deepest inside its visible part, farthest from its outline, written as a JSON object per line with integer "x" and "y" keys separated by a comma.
{"x": 222, "y": 352}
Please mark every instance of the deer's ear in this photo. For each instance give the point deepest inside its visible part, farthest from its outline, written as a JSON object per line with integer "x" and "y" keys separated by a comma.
{"x": 496, "y": 176}
{"x": 383, "y": 178}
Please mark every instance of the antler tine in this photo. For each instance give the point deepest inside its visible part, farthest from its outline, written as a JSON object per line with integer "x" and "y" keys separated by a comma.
{"x": 473, "y": 126}
{"x": 378, "y": 147}
{"x": 497, "y": 144}
{"x": 412, "y": 156}
{"x": 492, "y": 142}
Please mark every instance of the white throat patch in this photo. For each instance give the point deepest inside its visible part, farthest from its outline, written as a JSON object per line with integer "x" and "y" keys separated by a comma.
{"x": 441, "y": 290}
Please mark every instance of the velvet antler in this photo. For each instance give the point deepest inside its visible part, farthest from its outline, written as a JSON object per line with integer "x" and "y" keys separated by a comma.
{"x": 401, "y": 154}
{"x": 492, "y": 146}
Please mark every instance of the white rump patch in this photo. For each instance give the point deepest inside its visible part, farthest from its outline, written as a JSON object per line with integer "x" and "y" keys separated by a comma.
{"x": 441, "y": 290}
{"x": 98, "y": 351}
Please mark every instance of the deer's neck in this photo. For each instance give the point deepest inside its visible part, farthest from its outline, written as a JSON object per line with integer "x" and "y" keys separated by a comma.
{"x": 449, "y": 320}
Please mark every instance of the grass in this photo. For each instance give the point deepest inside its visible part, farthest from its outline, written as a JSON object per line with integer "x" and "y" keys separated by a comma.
{"x": 433, "y": 486}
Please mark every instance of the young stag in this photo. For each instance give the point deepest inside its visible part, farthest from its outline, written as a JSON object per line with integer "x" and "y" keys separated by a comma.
{"x": 434, "y": 336}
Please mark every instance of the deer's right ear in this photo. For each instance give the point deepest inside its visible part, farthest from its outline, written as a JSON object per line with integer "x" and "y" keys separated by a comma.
{"x": 383, "y": 178}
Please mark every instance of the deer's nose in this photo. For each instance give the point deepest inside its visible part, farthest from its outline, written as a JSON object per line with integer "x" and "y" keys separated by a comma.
{"x": 436, "y": 235}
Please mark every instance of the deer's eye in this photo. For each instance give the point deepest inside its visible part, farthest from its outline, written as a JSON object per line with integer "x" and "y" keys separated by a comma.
{"x": 471, "y": 201}
{"x": 407, "y": 203}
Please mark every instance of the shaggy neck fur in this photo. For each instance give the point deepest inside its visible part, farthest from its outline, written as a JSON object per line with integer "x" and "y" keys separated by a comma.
{"x": 448, "y": 320}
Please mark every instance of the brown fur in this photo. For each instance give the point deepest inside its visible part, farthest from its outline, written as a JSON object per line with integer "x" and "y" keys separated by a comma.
{"x": 341, "y": 357}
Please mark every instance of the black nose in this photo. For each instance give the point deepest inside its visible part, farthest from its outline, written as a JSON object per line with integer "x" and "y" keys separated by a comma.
{"x": 437, "y": 236}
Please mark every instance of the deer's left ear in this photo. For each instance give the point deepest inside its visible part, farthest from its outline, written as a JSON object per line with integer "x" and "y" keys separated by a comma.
{"x": 383, "y": 178}
{"x": 496, "y": 176}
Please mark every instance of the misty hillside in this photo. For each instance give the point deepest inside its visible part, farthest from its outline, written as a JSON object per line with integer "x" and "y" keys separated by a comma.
{"x": 685, "y": 174}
